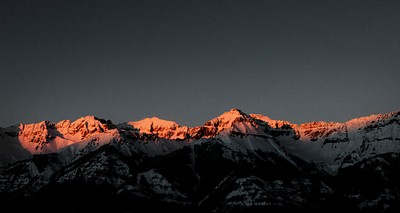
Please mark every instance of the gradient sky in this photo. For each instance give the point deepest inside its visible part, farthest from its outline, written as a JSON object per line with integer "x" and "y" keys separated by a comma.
{"x": 190, "y": 61}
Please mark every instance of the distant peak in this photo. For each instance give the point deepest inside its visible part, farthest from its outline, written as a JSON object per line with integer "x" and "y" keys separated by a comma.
{"x": 40, "y": 125}
{"x": 162, "y": 128}
{"x": 153, "y": 122}
{"x": 155, "y": 119}
{"x": 231, "y": 114}
{"x": 236, "y": 111}
{"x": 227, "y": 119}
{"x": 81, "y": 119}
{"x": 88, "y": 117}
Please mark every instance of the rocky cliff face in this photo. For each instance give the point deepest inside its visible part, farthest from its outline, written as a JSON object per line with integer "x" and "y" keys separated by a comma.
{"x": 47, "y": 137}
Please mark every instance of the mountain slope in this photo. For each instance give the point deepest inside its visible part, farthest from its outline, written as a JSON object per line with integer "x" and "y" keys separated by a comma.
{"x": 233, "y": 163}
{"x": 342, "y": 144}
{"x": 11, "y": 149}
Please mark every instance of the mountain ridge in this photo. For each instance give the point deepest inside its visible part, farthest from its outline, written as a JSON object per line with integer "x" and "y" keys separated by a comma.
{"x": 254, "y": 115}
{"x": 234, "y": 162}
{"x": 47, "y": 137}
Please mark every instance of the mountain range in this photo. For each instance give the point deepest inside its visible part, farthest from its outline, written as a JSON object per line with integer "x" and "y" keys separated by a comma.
{"x": 236, "y": 162}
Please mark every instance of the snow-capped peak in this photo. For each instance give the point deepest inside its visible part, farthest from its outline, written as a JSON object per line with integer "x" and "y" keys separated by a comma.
{"x": 234, "y": 121}
{"x": 160, "y": 127}
{"x": 45, "y": 136}
{"x": 81, "y": 128}
{"x": 227, "y": 119}
{"x": 149, "y": 125}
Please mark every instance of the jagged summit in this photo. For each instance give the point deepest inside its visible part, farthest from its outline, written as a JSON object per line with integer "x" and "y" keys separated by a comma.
{"x": 235, "y": 121}
{"x": 227, "y": 119}
{"x": 236, "y": 110}
{"x": 46, "y": 136}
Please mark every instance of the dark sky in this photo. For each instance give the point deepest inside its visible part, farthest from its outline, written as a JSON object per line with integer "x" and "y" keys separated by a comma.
{"x": 190, "y": 61}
